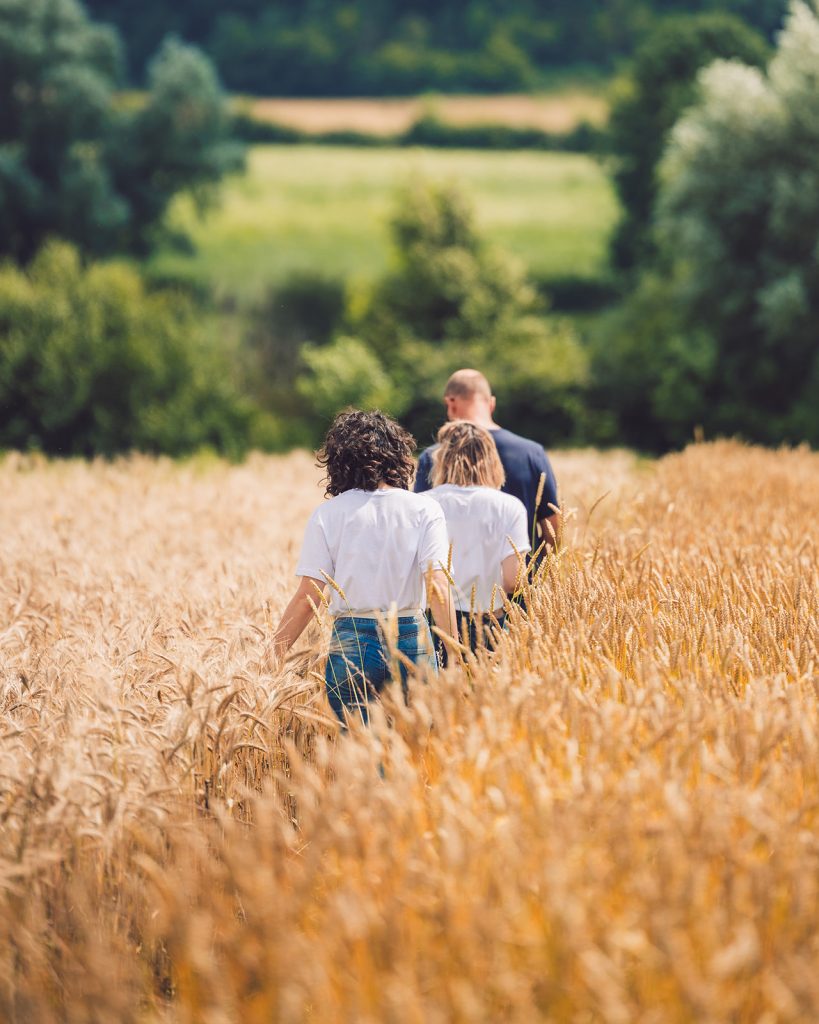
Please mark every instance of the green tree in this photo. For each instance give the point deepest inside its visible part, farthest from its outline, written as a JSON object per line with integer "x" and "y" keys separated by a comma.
{"x": 305, "y": 309}
{"x": 723, "y": 333}
{"x": 92, "y": 364}
{"x": 738, "y": 224}
{"x": 453, "y": 300}
{"x": 661, "y": 83}
{"x": 75, "y": 164}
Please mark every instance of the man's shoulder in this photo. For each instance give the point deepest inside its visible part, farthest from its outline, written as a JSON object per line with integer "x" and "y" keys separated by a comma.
{"x": 507, "y": 439}
{"x": 427, "y": 452}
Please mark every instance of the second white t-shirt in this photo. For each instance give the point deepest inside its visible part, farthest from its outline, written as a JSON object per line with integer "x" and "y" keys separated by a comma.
{"x": 376, "y": 546}
{"x": 483, "y": 524}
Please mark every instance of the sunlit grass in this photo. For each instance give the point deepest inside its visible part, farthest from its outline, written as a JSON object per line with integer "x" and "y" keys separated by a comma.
{"x": 327, "y": 209}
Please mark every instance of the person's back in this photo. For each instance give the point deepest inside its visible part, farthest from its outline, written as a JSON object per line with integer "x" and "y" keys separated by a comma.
{"x": 485, "y": 526}
{"x": 487, "y": 529}
{"x": 527, "y": 469}
{"x": 529, "y": 473}
{"x": 375, "y": 547}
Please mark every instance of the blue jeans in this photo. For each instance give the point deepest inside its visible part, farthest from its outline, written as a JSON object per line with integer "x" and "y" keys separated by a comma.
{"x": 359, "y": 663}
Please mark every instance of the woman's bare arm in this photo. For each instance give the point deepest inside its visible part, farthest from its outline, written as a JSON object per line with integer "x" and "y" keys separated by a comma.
{"x": 511, "y": 573}
{"x": 296, "y": 616}
{"x": 440, "y": 602}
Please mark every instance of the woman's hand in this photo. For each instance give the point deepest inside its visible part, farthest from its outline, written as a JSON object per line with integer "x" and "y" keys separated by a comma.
{"x": 296, "y": 616}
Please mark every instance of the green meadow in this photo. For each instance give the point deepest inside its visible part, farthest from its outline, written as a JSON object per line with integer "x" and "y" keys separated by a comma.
{"x": 327, "y": 209}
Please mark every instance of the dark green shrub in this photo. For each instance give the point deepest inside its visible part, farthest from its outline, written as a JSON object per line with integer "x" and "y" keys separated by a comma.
{"x": 91, "y": 363}
{"x": 661, "y": 83}
{"x": 577, "y": 293}
{"x": 305, "y": 308}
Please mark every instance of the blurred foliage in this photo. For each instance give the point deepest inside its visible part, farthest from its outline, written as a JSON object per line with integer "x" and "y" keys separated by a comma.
{"x": 345, "y": 373}
{"x": 723, "y": 332}
{"x": 394, "y": 47}
{"x": 92, "y": 364}
{"x": 73, "y": 163}
{"x": 300, "y": 314}
{"x": 660, "y": 83}
{"x": 428, "y": 130}
{"x": 453, "y": 300}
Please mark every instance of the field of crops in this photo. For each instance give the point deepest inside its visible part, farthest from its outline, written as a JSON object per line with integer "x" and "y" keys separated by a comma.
{"x": 327, "y": 209}
{"x": 614, "y": 818}
{"x": 559, "y": 110}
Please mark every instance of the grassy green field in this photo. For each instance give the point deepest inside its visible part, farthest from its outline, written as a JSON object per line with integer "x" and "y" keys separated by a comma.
{"x": 327, "y": 209}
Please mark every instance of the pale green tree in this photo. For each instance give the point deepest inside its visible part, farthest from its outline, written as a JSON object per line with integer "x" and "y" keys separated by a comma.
{"x": 724, "y": 331}
{"x": 739, "y": 224}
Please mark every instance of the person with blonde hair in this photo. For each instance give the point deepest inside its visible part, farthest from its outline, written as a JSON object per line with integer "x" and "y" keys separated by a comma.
{"x": 487, "y": 529}
{"x": 529, "y": 474}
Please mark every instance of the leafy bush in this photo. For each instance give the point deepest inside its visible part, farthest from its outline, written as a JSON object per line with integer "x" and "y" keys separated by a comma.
{"x": 576, "y": 293}
{"x": 452, "y": 301}
{"x": 77, "y": 165}
{"x": 428, "y": 130}
{"x": 92, "y": 364}
{"x": 345, "y": 373}
{"x": 305, "y": 309}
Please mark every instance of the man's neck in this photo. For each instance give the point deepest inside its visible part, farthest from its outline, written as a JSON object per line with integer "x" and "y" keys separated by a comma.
{"x": 483, "y": 421}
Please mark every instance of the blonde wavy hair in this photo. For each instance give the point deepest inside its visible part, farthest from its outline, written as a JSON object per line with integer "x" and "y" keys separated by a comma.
{"x": 466, "y": 456}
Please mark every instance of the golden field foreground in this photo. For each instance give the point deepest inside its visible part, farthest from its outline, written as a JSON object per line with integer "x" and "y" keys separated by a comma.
{"x": 615, "y": 818}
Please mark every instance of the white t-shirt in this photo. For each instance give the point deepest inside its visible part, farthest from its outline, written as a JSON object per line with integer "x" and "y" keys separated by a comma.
{"x": 483, "y": 524}
{"x": 376, "y": 546}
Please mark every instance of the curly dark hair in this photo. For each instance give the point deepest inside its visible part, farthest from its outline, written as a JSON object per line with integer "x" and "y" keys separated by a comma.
{"x": 365, "y": 449}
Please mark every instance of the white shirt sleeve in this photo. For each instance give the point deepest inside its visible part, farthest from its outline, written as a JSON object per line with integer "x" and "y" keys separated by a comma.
{"x": 515, "y": 522}
{"x": 433, "y": 550}
{"x": 315, "y": 559}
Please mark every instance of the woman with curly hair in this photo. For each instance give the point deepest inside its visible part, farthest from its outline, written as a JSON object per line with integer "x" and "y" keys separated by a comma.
{"x": 381, "y": 549}
{"x": 487, "y": 528}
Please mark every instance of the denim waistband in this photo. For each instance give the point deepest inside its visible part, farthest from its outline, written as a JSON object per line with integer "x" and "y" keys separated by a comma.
{"x": 405, "y": 615}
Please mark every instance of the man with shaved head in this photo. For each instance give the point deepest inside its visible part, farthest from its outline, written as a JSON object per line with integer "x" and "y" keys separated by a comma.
{"x": 467, "y": 396}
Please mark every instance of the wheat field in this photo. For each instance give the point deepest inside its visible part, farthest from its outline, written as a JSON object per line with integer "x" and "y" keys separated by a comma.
{"x": 612, "y": 818}
{"x": 560, "y": 110}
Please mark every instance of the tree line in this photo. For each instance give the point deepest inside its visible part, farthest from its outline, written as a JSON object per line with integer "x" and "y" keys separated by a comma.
{"x": 714, "y": 150}
{"x": 395, "y": 47}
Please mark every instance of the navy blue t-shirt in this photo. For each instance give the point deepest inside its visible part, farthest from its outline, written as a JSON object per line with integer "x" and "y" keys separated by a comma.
{"x": 523, "y": 461}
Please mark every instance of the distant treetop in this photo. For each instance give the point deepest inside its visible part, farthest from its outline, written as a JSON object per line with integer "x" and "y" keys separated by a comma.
{"x": 384, "y": 47}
